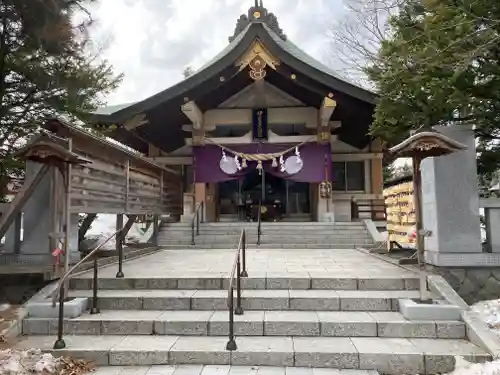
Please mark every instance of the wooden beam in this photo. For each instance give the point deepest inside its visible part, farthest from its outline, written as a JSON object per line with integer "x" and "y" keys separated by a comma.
{"x": 326, "y": 110}
{"x": 193, "y": 113}
{"x": 135, "y": 122}
{"x": 86, "y": 223}
{"x": 20, "y": 200}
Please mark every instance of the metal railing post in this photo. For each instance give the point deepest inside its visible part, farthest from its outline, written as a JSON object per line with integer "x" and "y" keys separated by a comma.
{"x": 95, "y": 307}
{"x": 239, "y": 309}
{"x": 231, "y": 344}
{"x": 198, "y": 223}
{"x": 119, "y": 239}
{"x": 192, "y": 232}
{"x": 202, "y": 212}
{"x": 244, "y": 272}
{"x": 60, "y": 344}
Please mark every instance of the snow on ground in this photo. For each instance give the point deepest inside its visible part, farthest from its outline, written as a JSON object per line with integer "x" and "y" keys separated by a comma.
{"x": 105, "y": 225}
{"x": 463, "y": 367}
{"x": 489, "y": 311}
{"x": 33, "y": 361}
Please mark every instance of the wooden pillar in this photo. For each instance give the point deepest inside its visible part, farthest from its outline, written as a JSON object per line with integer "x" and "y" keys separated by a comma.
{"x": 377, "y": 174}
{"x": 120, "y": 237}
{"x": 156, "y": 229}
{"x": 17, "y": 232}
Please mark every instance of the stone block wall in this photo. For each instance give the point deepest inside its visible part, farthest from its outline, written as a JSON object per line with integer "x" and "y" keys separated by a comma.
{"x": 473, "y": 284}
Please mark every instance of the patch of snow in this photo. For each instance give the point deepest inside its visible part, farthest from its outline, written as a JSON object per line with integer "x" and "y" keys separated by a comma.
{"x": 105, "y": 225}
{"x": 34, "y": 362}
{"x": 463, "y": 367}
{"x": 24, "y": 362}
{"x": 489, "y": 311}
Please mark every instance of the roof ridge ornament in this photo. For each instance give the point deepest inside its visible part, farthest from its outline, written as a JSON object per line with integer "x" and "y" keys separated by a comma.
{"x": 257, "y": 14}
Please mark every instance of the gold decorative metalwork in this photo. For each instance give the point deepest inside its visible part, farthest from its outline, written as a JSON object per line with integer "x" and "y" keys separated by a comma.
{"x": 256, "y": 14}
{"x": 293, "y": 76}
{"x": 426, "y": 146}
{"x": 257, "y": 68}
{"x": 325, "y": 190}
{"x": 257, "y": 58}
{"x": 324, "y": 136}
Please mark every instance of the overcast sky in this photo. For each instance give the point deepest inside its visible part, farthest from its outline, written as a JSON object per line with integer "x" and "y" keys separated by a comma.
{"x": 152, "y": 41}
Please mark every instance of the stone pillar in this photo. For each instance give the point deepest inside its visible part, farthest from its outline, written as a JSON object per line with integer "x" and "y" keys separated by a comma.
{"x": 492, "y": 218}
{"x": 200, "y": 195}
{"x": 450, "y": 204}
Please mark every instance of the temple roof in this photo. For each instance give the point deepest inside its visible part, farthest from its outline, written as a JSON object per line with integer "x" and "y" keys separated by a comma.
{"x": 220, "y": 78}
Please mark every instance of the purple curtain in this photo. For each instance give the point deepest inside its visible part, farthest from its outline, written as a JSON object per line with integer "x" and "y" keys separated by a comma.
{"x": 316, "y": 157}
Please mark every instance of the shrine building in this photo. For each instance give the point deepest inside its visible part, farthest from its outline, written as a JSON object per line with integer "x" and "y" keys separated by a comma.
{"x": 262, "y": 123}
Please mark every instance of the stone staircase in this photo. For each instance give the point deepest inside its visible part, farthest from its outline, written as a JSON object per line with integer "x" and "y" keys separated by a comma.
{"x": 344, "y": 322}
{"x": 275, "y": 235}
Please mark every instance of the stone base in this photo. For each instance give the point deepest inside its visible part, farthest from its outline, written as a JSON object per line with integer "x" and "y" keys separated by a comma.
{"x": 473, "y": 284}
{"x": 414, "y": 310}
{"x": 72, "y": 309}
{"x": 443, "y": 259}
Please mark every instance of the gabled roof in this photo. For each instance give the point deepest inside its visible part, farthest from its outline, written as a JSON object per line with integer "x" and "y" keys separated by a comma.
{"x": 258, "y": 24}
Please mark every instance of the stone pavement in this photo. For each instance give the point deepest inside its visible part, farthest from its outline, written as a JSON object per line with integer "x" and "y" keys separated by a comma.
{"x": 260, "y": 263}
{"x": 224, "y": 370}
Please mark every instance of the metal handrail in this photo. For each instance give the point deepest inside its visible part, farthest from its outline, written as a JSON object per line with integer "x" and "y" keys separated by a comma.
{"x": 196, "y": 219}
{"x": 60, "y": 289}
{"x": 259, "y": 223}
{"x": 239, "y": 268}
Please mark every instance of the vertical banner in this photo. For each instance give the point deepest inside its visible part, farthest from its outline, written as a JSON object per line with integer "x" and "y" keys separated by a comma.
{"x": 259, "y": 124}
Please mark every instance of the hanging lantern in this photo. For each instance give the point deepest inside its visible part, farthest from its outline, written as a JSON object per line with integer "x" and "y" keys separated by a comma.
{"x": 325, "y": 190}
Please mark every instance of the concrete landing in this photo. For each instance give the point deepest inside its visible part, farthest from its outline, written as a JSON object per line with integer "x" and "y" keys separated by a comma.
{"x": 261, "y": 262}
{"x": 224, "y": 370}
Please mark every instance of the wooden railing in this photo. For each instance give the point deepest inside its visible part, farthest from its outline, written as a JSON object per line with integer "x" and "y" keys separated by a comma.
{"x": 374, "y": 209}
{"x": 238, "y": 270}
{"x": 105, "y": 186}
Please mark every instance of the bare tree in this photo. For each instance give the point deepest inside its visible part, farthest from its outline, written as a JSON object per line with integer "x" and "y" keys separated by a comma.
{"x": 356, "y": 37}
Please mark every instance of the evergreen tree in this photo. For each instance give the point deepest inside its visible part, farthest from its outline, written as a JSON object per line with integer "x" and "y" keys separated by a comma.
{"x": 47, "y": 68}
{"x": 439, "y": 66}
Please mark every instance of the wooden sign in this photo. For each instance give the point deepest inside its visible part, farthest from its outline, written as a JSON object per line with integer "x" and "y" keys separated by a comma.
{"x": 259, "y": 124}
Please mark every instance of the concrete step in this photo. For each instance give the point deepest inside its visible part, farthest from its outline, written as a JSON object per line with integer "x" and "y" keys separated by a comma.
{"x": 251, "y": 323}
{"x": 301, "y": 300}
{"x": 225, "y": 370}
{"x": 188, "y": 246}
{"x": 272, "y": 234}
{"x": 386, "y": 355}
{"x": 269, "y": 237}
{"x": 200, "y": 240}
{"x": 253, "y": 228}
{"x": 298, "y": 281}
